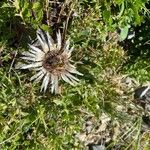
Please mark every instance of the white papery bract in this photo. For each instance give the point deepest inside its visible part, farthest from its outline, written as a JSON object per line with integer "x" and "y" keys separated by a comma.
{"x": 51, "y": 62}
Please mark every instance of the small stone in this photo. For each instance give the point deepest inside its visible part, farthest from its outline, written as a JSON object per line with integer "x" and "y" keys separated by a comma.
{"x": 96, "y": 147}
{"x": 142, "y": 93}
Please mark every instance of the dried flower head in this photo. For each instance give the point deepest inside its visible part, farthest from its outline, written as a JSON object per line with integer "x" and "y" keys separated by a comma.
{"x": 51, "y": 61}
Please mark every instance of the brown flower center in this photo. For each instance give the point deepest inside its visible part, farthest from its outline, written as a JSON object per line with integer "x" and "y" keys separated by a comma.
{"x": 55, "y": 61}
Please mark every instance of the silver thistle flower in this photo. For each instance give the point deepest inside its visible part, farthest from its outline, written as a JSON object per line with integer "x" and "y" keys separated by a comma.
{"x": 51, "y": 61}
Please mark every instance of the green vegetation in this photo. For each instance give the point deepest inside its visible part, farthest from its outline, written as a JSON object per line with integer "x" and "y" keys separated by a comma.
{"x": 30, "y": 120}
